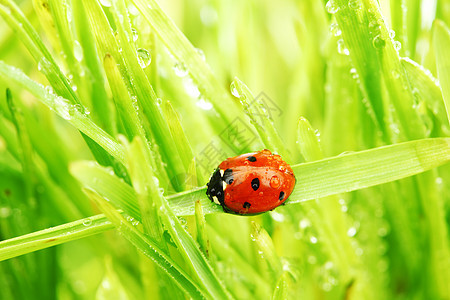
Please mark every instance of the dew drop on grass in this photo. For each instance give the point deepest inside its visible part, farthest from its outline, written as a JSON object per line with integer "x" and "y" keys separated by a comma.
{"x": 204, "y": 104}
{"x": 397, "y": 45}
{"x": 341, "y": 47}
{"x": 395, "y": 74}
{"x": 351, "y": 232}
{"x": 354, "y": 73}
{"x": 144, "y": 57}
{"x": 331, "y": 7}
{"x": 77, "y": 51}
{"x": 180, "y": 69}
{"x": 391, "y": 34}
{"x": 378, "y": 42}
{"x": 5, "y": 212}
{"x": 106, "y": 3}
{"x": 201, "y": 53}
{"x": 87, "y": 222}
{"x": 313, "y": 240}
{"x": 354, "y": 4}
{"x": 135, "y": 34}
{"x": 335, "y": 30}
{"x": 234, "y": 90}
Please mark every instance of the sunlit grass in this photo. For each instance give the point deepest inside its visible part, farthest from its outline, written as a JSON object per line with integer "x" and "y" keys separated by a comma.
{"x": 114, "y": 113}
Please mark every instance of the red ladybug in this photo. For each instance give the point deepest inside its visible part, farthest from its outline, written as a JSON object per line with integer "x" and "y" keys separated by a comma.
{"x": 251, "y": 183}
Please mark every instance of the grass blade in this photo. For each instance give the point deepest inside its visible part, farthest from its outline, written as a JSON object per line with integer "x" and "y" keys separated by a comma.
{"x": 441, "y": 41}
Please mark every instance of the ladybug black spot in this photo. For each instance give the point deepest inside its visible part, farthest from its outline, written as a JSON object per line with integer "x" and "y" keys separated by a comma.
{"x": 246, "y": 205}
{"x": 281, "y": 197}
{"x": 255, "y": 184}
{"x": 251, "y": 158}
{"x": 228, "y": 176}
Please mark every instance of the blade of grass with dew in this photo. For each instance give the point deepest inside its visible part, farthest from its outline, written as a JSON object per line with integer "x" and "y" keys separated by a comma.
{"x": 53, "y": 236}
{"x": 76, "y": 62}
{"x": 176, "y": 130}
{"x": 148, "y": 199}
{"x": 92, "y": 63}
{"x": 394, "y": 75}
{"x": 62, "y": 107}
{"x": 26, "y": 155}
{"x": 202, "y": 237}
{"x": 185, "y": 52}
{"x": 133, "y": 75}
{"x": 359, "y": 45}
{"x": 265, "y": 245}
{"x": 429, "y": 90}
{"x": 185, "y": 243}
{"x": 148, "y": 247}
{"x": 264, "y": 126}
{"x": 404, "y": 16}
{"x": 441, "y": 43}
{"x": 314, "y": 180}
{"x": 362, "y": 169}
{"x": 146, "y": 96}
{"x": 333, "y": 229}
{"x": 18, "y": 22}
{"x": 251, "y": 277}
{"x": 282, "y": 288}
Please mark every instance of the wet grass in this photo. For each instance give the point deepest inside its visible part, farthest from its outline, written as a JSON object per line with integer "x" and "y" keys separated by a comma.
{"x": 114, "y": 113}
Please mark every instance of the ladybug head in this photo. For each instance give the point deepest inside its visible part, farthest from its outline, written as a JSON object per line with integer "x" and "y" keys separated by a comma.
{"x": 215, "y": 190}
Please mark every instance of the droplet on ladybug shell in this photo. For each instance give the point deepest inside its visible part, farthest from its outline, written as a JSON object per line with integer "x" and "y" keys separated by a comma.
{"x": 274, "y": 182}
{"x": 251, "y": 183}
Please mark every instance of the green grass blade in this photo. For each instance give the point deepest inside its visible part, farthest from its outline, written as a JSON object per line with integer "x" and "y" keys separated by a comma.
{"x": 189, "y": 57}
{"x": 264, "y": 124}
{"x": 441, "y": 42}
{"x": 72, "y": 113}
{"x": 148, "y": 247}
{"x": 15, "y": 18}
{"x": 428, "y": 89}
{"x": 362, "y": 169}
{"x": 53, "y": 236}
{"x": 314, "y": 180}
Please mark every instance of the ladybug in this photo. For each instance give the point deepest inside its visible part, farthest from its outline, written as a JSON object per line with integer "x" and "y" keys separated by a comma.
{"x": 251, "y": 183}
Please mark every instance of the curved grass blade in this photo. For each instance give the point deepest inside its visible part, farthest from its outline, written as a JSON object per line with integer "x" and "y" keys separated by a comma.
{"x": 314, "y": 180}
{"x": 148, "y": 247}
{"x": 441, "y": 41}
{"x": 72, "y": 113}
{"x": 54, "y": 236}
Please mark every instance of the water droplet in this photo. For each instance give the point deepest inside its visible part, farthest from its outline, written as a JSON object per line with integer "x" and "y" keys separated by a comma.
{"x": 180, "y": 69}
{"x": 378, "y": 42}
{"x": 282, "y": 168}
{"x": 274, "y": 182}
{"x": 335, "y": 29}
{"x": 277, "y": 216}
{"x": 313, "y": 240}
{"x": 77, "y": 51}
{"x": 391, "y": 34}
{"x": 439, "y": 180}
{"x": 341, "y": 47}
{"x": 49, "y": 89}
{"x": 191, "y": 88}
{"x": 144, "y": 58}
{"x": 87, "y": 222}
{"x": 234, "y": 90}
{"x": 304, "y": 223}
{"x": 331, "y": 7}
{"x": 397, "y": 45}
{"x": 395, "y": 73}
{"x": 351, "y": 232}
{"x": 354, "y": 73}
{"x": 204, "y": 104}
{"x": 106, "y": 3}
{"x": 354, "y": 4}
{"x": 201, "y": 53}
{"x": 5, "y": 212}
{"x": 312, "y": 259}
{"x": 135, "y": 34}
